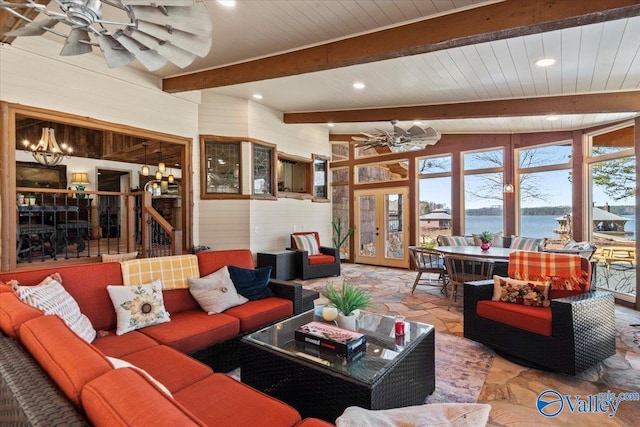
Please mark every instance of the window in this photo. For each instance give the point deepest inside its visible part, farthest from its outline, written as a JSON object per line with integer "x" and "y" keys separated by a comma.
{"x": 340, "y": 206}
{"x": 263, "y": 170}
{"x": 221, "y": 166}
{"x": 394, "y": 170}
{"x": 293, "y": 175}
{"x": 434, "y": 207}
{"x": 545, "y": 192}
{"x": 613, "y": 188}
{"x": 320, "y": 185}
{"x": 483, "y": 191}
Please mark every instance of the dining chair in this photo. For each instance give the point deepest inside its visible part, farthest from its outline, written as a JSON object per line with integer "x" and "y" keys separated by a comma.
{"x": 462, "y": 269}
{"x": 424, "y": 260}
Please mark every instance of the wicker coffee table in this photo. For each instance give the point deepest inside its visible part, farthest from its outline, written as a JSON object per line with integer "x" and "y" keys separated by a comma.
{"x": 392, "y": 372}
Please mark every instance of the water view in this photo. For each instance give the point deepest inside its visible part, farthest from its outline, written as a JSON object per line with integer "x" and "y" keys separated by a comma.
{"x": 532, "y": 225}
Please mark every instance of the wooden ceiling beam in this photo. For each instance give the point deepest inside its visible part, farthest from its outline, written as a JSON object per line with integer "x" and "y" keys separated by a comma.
{"x": 610, "y": 102}
{"x": 497, "y": 21}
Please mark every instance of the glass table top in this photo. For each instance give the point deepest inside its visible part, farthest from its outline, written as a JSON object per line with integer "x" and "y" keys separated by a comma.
{"x": 383, "y": 348}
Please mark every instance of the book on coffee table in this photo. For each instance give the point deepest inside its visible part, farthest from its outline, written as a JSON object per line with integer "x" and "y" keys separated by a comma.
{"x": 329, "y": 337}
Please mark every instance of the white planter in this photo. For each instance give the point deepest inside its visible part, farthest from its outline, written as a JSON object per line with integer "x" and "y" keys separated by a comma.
{"x": 348, "y": 322}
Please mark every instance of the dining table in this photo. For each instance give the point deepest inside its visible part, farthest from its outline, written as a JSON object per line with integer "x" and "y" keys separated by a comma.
{"x": 499, "y": 255}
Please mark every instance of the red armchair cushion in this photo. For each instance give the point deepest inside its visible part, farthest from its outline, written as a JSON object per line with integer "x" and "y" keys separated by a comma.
{"x": 532, "y": 319}
{"x": 321, "y": 259}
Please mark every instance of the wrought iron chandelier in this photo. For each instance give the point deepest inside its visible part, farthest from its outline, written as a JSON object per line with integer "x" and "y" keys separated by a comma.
{"x": 47, "y": 151}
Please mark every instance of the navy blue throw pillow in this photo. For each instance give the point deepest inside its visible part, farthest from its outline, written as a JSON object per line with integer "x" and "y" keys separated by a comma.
{"x": 251, "y": 283}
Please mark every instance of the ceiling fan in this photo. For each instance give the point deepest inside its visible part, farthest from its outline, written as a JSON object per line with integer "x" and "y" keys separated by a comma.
{"x": 152, "y": 31}
{"x": 413, "y": 138}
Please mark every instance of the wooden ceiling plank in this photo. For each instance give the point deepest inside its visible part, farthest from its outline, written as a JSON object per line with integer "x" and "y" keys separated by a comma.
{"x": 508, "y": 19}
{"x": 565, "y": 104}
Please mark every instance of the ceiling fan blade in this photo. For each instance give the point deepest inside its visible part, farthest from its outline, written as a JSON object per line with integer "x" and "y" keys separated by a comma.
{"x": 147, "y": 57}
{"x": 114, "y": 53}
{"x": 74, "y": 44}
{"x": 399, "y": 131}
{"x": 159, "y": 2}
{"x": 33, "y": 28}
{"x": 194, "y": 20}
{"x": 198, "y": 45}
{"x": 178, "y": 56}
{"x": 415, "y": 130}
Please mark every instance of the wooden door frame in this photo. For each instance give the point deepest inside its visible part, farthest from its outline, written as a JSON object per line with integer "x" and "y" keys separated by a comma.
{"x": 8, "y": 112}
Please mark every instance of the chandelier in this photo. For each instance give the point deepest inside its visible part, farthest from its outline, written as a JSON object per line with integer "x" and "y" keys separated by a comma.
{"x": 47, "y": 151}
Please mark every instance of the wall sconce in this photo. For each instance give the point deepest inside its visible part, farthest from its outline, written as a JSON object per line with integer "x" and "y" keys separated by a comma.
{"x": 80, "y": 179}
{"x": 508, "y": 188}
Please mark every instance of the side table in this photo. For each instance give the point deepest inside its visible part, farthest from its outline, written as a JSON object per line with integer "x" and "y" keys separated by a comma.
{"x": 282, "y": 263}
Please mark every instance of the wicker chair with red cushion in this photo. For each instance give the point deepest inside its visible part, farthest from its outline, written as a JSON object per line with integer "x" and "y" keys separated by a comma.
{"x": 571, "y": 331}
{"x": 312, "y": 259}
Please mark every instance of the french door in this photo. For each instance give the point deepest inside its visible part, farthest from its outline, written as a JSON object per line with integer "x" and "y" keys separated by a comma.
{"x": 382, "y": 226}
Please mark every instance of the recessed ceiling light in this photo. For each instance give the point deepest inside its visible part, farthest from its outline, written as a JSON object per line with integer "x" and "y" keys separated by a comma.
{"x": 257, "y": 96}
{"x": 228, "y": 3}
{"x": 359, "y": 85}
{"x": 330, "y": 125}
{"x": 552, "y": 118}
{"x": 417, "y": 122}
{"x": 545, "y": 62}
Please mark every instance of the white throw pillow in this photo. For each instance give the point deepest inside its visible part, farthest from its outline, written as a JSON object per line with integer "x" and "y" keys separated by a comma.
{"x": 119, "y": 363}
{"x": 52, "y": 298}
{"x": 215, "y": 293}
{"x": 138, "y": 306}
{"x": 433, "y": 414}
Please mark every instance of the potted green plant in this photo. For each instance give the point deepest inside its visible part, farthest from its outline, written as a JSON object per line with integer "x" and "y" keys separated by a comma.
{"x": 485, "y": 237}
{"x": 348, "y": 299}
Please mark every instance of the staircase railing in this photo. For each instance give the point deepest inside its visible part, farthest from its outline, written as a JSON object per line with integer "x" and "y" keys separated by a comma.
{"x": 158, "y": 236}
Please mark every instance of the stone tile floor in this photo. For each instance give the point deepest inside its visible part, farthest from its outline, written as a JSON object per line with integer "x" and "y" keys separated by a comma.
{"x": 511, "y": 389}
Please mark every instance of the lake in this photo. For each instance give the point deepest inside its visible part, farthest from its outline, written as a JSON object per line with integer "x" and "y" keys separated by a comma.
{"x": 532, "y": 225}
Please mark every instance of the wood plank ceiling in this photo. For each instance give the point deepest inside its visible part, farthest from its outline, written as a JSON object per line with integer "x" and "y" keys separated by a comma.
{"x": 436, "y": 54}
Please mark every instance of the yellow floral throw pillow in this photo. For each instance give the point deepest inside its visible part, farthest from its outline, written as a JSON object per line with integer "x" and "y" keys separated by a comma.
{"x": 138, "y": 306}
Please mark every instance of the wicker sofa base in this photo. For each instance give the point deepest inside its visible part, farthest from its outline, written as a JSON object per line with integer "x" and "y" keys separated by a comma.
{"x": 27, "y": 396}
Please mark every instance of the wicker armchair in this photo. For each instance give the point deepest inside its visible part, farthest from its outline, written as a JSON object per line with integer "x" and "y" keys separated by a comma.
{"x": 325, "y": 263}
{"x": 582, "y": 326}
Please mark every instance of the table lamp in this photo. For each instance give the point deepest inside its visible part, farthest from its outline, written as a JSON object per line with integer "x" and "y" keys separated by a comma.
{"x": 80, "y": 179}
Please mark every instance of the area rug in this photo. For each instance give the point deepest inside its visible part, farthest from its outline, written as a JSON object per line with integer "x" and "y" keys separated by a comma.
{"x": 462, "y": 367}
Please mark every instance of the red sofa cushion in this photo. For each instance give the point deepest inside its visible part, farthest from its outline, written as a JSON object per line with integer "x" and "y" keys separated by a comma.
{"x": 259, "y": 313}
{"x": 190, "y": 331}
{"x": 210, "y": 261}
{"x": 220, "y": 400}
{"x": 85, "y": 282}
{"x": 532, "y": 319}
{"x": 179, "y": 300}
{"x": 321, "y": 259}
{"x": 140, "y": 403}
{"x": 173, "y": 369}
{"x": 14, "y": 313}
{"x": 69, "y": 360}
{"x": 120, "y": 345}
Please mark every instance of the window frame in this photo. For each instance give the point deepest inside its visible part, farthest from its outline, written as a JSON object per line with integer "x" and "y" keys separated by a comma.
{"x": 205, "y": 141}
{"x": 273, "y": 171}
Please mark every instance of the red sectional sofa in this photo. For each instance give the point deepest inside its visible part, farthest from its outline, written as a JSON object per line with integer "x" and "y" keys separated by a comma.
{"x": 105, "y": 395}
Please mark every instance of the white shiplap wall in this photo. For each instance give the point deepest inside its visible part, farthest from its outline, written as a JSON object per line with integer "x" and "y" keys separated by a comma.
{"x": 84, "y": 86}
{"x": 260, "y": 224}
